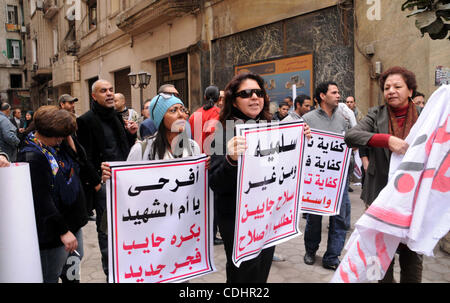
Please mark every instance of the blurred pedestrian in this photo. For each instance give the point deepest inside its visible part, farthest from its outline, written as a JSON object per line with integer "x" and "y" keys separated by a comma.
{"x": 57, "y": 193}
{"x": 9, "y": 141}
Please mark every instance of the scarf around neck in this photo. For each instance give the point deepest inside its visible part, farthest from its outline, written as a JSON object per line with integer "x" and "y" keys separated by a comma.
{"x": 65, "y": 184}
{"x": 110, "y": 116}
{"x": 411, "y": 117}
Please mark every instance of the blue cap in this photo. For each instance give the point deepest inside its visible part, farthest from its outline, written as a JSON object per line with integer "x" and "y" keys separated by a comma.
{"x": 162, "y": 105}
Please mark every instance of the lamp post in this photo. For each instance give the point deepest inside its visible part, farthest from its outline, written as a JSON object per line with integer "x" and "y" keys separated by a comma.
{"x": 144, "y": 80}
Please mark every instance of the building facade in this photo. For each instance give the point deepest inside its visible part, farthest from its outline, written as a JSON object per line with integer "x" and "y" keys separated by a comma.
{"x": 13, "y": 58}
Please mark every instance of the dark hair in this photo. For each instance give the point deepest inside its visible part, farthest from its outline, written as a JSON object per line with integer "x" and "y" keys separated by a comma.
{"x": 160, "y": 144}
{"x": 31, "y": 114}
{"x": 283, "y": 104}
{"x": 322, "y": 88}
{"x": 230, "y": 97}
{"x": 288, "y": 97}
{"x": 408, "y": 76}
{"x": 211, "y": 96}
{"x": 51, "y": 121}
{"x": 301, "y": 99}
{"x": 417, "y": 94}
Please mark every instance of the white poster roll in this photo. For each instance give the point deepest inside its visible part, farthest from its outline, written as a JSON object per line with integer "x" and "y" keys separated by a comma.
{"x": 19, "y": 247}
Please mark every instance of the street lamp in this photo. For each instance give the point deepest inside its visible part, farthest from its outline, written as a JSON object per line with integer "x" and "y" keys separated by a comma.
{"x": 144, "y": 80}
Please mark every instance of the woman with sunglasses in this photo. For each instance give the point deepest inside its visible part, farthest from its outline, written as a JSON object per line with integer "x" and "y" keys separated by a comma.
{"x": 245, "y": 99}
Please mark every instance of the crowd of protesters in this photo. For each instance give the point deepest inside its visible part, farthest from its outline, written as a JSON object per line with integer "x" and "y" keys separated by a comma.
{"x": 68, "y": 154}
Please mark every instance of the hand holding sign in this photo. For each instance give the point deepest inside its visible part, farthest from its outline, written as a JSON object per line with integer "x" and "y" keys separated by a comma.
{"x": 236, "y": 147}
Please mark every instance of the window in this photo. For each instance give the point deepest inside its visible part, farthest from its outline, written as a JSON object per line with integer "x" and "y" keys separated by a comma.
{"x": 14, "y": 48}
{"x": 179, "y": 76}
{"x": 92, "y": 11}
{"x": 55, "y": 42}
{"x": 122, "y": 85}
{"x": 115, "y": 5}
{"x": 34, "y": 51}
{"x": 12, "y": 17}
{"x": 16, "y": 80}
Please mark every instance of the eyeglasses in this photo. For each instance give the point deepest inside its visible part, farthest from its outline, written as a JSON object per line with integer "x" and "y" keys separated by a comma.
{"x": 248, "y": 93}
{"x": 182, "y": 110}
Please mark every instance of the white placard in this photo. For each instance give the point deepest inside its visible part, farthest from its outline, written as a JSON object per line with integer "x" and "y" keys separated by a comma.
{"x": 268, "y": 187}
{"x": 325, "y": 167}
{"x": 159, "y": 221}
{"x": 20, "y": 260}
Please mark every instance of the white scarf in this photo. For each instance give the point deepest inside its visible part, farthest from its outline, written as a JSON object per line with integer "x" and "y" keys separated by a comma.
{"x": 414, "y": 207}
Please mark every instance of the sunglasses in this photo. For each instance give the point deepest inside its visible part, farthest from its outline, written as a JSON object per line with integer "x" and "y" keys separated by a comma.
{"x": 248, "y": 93}
{"x": 164, "y": 96}
{"x": 173, "y": 94}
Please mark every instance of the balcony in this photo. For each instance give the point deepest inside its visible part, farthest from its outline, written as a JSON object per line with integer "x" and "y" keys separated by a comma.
{"x": 65, "y": 70}
{"x": 149, "y": 14}
{"x": 50, "y": 9}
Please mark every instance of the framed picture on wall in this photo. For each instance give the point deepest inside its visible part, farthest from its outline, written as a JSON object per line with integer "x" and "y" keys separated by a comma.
{"x": 281, "y": 74}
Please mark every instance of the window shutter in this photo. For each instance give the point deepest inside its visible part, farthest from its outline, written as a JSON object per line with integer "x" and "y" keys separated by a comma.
{"x": 20, "y": 48}
{"x": 9, "y": 49}
{"x": 16, "y": 16}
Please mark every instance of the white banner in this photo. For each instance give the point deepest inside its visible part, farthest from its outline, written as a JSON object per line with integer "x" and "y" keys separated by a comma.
{"x": 159, "y": 221}
{"x": 325, "y": 167}
{"x": 20, "y": 260}
{"x": 413, "y": 208}
{"x": 268, "y": 187}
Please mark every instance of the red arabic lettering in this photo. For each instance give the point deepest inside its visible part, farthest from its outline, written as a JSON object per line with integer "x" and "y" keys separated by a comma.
{"x": 344, "y": 275}
{"x": 353, "y": 268}
{"x": 382, "y": 253}
{"x": 361, "y": 254}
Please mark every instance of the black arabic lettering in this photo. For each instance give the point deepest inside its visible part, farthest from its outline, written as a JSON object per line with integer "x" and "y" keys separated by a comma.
{"x": 138, "y": 189}
{"x": 277, "y": 149}
{"x": 190, "y": 181}
{"x": 261, "y": 183}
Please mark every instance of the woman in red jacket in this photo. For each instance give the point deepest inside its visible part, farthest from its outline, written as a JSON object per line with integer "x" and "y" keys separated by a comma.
{"x": 203, "y": 120}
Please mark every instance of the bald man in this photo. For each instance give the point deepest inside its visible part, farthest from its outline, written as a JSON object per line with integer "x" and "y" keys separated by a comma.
{"x": 105, "y": 137}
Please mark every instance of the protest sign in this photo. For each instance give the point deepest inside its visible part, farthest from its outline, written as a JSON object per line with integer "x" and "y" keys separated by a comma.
{"x": 159, "y": 221}
{"x": 20, "y": 260}
{"x": 268, "y": 187}
{"x": 325, "y": 165}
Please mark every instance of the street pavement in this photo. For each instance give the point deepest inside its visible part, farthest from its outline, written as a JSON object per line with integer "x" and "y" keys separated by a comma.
{"x": 293, "y": 270}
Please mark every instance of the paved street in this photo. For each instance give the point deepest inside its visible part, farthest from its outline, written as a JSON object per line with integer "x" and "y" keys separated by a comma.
{"x": 292, "y": 270}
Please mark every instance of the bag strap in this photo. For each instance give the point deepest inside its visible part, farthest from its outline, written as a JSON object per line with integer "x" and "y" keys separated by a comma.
{"x": 143, "y": 147}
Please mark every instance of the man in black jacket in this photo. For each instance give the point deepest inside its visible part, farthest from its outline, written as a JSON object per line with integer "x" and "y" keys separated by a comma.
{"x": 105, "y": 137}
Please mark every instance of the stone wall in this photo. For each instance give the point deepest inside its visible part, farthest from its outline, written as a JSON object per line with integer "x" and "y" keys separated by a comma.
{"x": 324, "y": 33}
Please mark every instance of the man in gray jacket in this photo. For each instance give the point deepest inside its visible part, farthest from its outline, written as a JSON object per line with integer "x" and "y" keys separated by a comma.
{"x": 326, "y": 117}
{"x": 8, "y": 133}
